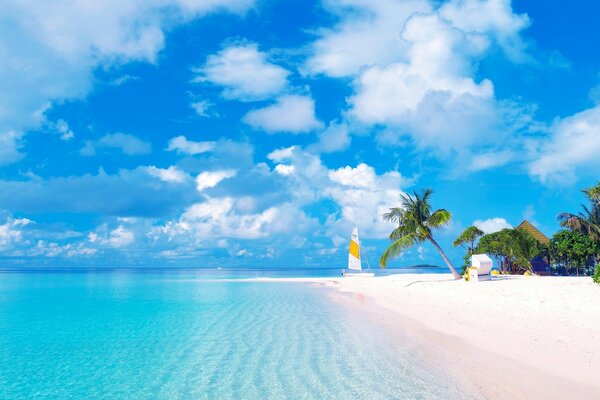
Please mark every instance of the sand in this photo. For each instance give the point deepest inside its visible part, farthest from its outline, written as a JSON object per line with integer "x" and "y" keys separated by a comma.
{"x": 521, "y": 337}
{"x": 515, "y": 338}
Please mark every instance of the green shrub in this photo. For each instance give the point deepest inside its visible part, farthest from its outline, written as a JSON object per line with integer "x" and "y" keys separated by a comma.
{"x": 596, "y": 276}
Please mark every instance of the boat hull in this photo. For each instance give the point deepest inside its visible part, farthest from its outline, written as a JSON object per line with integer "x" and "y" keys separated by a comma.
{"x": 358, "y": 274}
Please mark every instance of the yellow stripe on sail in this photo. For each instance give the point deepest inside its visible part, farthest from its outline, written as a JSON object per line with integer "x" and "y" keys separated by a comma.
{"x": 354, "y": 249}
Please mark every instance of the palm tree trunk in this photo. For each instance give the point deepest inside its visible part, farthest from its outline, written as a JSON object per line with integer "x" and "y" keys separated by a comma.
{"x": 448, "y": 263}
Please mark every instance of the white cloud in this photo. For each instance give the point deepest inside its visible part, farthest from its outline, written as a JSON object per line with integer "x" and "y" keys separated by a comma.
{"x": 336, "y": 137}
{"x": 127, "y": 192}
{"x": 414, "y": 65}
{"x": 201, "y": 107}
{"x": 363, "y": 197}
{"x": 490, "y": 160}
{"x": 573, "y": 144}
{"x": 52, "y": 249}
{"x": 171, "y": 174}
{"x": 10, "y": 147}
{"x": 291, "y": 113}
{"x": 362, "y": 176}
{"x": 244, "y": 72}
{"x": 49, "y": 50}
{"x": 494, "y": 18}
{"x": 218, "y": 218}
{"x": 116, "y": 238}
{"x": 184, "y": 146}
{"x": 492, "y": 225}
{"x": 125, "y": 142}
{"x": 285, "y": 170}
{"x": 437, "y": 60}
{"x": 368, "y": 34}
{"x": 282, "y": 154}
{"x": 209, "y": 179}
{"x": 62, "y": 127}
{"x": 361, "y": 194}
{"x": 11, "y": 232}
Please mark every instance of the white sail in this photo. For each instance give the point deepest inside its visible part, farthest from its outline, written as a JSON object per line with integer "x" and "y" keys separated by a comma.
{"x": 354, "y": 253}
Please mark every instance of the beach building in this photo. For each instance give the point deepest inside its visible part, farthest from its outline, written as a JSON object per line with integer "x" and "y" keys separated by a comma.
{"x": 540, "y": 265}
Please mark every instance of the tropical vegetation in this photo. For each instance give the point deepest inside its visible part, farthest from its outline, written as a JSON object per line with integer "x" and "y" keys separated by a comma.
{"x": 571, "y": 250}
{"x": 468, "y": 239}
{"x": 587, "y": 221}
{"x": 596, "y": 276}
{"x": 513, "y": 249}
{"x": 416, "y": 223}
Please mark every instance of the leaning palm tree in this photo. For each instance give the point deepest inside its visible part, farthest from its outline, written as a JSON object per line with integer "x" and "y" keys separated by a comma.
{"x": 415, "y": 224}
{"x": 587, "y": 222}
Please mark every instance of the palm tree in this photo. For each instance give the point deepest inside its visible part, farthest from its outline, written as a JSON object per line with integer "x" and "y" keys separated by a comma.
{"x": 587, "y": 222}
{"x": 468, "y": 239}
{"x": 415, "y": 224}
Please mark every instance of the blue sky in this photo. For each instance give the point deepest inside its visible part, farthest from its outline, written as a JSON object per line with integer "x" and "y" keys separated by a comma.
{"x": 247, "y": 133}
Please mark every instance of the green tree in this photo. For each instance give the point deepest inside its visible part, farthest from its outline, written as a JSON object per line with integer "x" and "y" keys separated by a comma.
{"x": 596, "y": 275}
{"x": 416, "y": 223}
{"x": 524, "y": 249}
{"x": 496, "y": 244}
{"x": 587, "y": 222}
{"x": 468, "y": 239}
{"x": 572, "y": 250}
{"x": 512, "y": 248}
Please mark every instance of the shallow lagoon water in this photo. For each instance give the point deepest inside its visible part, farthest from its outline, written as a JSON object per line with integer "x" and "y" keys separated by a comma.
{"x": 157, "y": 335}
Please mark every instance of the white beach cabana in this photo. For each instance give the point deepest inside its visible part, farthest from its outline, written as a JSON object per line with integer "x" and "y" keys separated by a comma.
{"x": 483, "y": 263}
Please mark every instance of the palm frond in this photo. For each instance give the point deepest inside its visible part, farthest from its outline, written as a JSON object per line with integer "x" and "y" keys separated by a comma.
{"x": 396, "y": 248}
{"x": 439, "y": 218}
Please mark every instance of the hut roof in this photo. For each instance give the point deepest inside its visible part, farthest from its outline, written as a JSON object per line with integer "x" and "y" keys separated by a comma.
{"x": 525, "y": 225}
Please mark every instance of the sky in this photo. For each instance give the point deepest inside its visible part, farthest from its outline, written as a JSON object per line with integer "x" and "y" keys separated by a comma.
{"x": 258, "y": 133}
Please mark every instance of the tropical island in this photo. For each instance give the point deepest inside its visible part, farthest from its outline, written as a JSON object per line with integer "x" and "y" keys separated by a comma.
{"x": 574, "y": 250}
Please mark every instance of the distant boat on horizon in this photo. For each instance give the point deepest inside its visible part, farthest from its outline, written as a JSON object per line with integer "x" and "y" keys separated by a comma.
{"x": 354, "y": 261}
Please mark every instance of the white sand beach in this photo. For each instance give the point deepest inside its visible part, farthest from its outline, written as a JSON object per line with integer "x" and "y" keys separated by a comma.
{"x": 515, "y": 338}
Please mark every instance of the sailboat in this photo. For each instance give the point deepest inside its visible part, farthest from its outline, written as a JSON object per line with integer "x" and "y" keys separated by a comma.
{"x": 354, "y": 262}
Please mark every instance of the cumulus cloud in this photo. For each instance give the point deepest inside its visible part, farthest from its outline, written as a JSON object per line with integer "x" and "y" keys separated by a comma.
{"x": 415, "y": 78}
{"x": 219, "y": 218}
{"x": 53, "y": 249}
{"x": 184, "y": 146}
{"x": 291, "y": 114}
{"x": 50, "y": 50}
{"x": 361, "y": 194}
{"x": 492, "y": 225}
{"x": 116, "y": 238}
{"x": 245, "y": 73}
{"x": 494, "y": 18}
{"x": 126, "y": 143}
{"x": 209, "y": 179}
{"x": 171, "y": 174}
{"x": 573, "y": 144}
{"x": 11, "y": 232}
{"x": 364, "y": 197}
{"x": 368, "y": 34}
{"x": 336, "y": 137}
{"x": 361, "y": 176}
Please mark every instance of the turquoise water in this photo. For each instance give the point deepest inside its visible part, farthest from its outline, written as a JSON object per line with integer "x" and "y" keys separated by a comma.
{"x": 126, "y": 335}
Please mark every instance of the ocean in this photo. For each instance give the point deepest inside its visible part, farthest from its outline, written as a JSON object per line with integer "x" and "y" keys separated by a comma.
{"x": 196, "y": 334}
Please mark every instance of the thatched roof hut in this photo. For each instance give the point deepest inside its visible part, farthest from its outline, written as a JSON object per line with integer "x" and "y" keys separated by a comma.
{"x": 526, "y": 226}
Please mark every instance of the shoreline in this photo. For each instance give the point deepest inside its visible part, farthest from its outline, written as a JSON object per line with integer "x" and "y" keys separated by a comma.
{"x": 516, "y": 338}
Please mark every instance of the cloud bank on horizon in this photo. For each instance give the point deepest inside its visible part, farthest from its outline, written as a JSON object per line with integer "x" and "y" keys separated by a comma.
{"x": 244, "y": 133}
